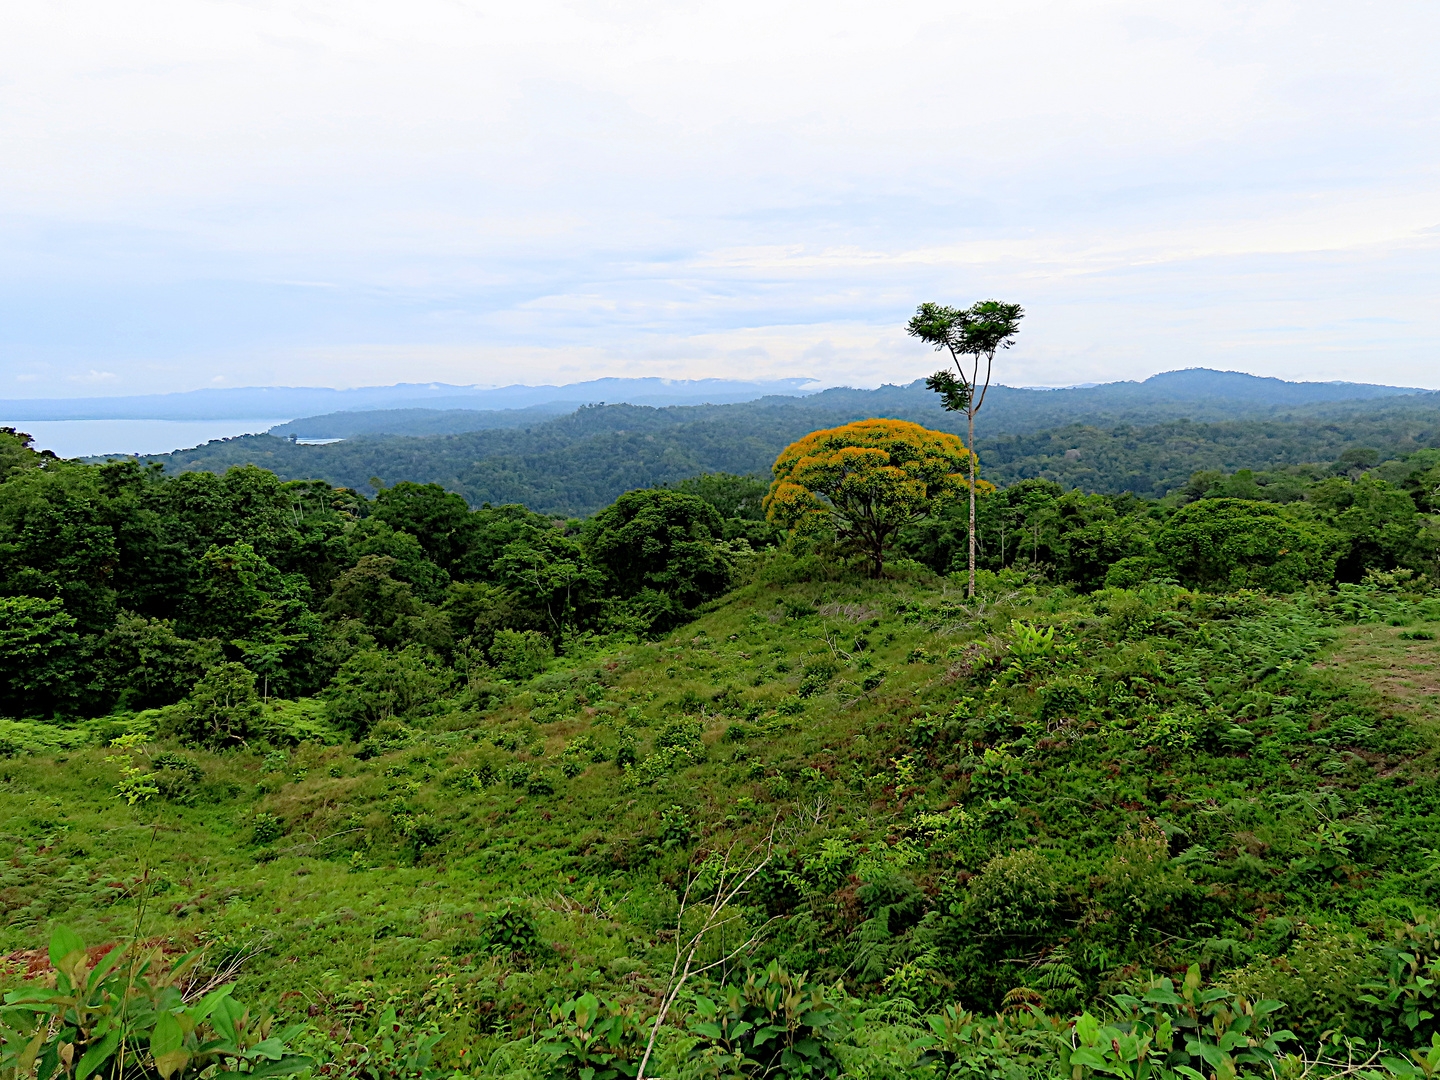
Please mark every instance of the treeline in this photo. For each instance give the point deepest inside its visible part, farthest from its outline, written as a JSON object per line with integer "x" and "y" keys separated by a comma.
{"x": 1276, "y": 530}
{"x": 124, "y": 587}
{"x": 121, "y": 587}
{"x": 575, "y": 464}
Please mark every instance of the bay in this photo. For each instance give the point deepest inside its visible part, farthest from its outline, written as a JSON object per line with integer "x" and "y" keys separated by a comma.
{"x": 92, "y": 438}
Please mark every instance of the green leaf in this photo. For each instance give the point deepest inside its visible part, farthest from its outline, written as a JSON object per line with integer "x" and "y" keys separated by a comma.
{"x": 286, "y": 1066}
{"x": 587, "y": 1007}
{"x": 166, "y": 1036}
{"x": 1213, "y": 1055}
{"x": 201, "y": 1010}
{"x": 224, "y": 1015}
{"x": 63, "y": 942}
{"x": 97, "y": 1054}
{"x": 106, "y": 965}
{"x": 169, "y": 1064}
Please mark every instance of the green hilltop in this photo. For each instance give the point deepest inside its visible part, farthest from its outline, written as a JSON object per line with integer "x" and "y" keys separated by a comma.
{"x": 453, "y": 791}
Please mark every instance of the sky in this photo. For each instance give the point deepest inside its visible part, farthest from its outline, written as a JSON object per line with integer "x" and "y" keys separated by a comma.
{"x": 205, "y": 194}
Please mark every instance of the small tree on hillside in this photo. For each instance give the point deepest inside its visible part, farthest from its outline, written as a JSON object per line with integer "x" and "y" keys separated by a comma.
{"x": 868, "y": 480}
{"x": 980, "y": 330}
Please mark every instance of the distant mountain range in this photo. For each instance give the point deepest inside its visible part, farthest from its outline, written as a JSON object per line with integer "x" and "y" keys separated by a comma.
{"x": 242, "y": 403}
{"x": 1195, "y": 393}
{"x": 1144, "y": 437}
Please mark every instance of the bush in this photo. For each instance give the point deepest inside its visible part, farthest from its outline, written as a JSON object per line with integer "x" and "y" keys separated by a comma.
{"x": 680, "y": 732}
{"x": 376, "y": 685}
{"x": 1063, "y": 697}
{"x": 593, "y": 1039}
{"x": 221, "y": 710}
{"x": 175, "y": 776}
{"x": 776, "y": 1024}
{"x": 1320, "y": 978}
{"x": 384, "y": 738}
{"x": 21, "y": 737}
{"x": 266, "y": 828}
{"x": 510, "y": 932}
{"x": 1015, "y": 893}
{"x": 135, "y": 1012}
{"x": 520, "y": 654}
{"x": 1220, "y": 544}
{"x": 1130, "y": 572}
{"x": 816, "y": 676}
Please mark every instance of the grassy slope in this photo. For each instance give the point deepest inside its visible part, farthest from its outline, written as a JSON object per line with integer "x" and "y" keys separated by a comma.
{"x": 343, "y": 908}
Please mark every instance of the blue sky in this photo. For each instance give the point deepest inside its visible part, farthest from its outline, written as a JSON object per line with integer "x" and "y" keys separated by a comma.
{"x": 204, "y": 194}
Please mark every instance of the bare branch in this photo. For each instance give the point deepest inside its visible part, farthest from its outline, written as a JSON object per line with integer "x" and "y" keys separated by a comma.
{"x": 723, "y": 897}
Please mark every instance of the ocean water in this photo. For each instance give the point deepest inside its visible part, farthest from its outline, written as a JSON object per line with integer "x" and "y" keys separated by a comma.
{"x": 90, "y": 438}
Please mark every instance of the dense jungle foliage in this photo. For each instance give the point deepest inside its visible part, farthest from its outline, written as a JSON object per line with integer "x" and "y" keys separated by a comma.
{"x": 442, "y": 790}
{"x": 1145, "y": 438}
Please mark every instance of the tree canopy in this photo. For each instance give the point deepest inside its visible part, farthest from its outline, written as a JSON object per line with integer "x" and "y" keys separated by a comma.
{"x": 867, "y": 480}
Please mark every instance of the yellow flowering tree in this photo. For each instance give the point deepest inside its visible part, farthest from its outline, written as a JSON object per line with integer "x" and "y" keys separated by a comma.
{"x": 867, "y": 480}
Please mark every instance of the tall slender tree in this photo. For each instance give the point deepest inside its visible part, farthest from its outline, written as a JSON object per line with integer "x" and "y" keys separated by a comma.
{"x": 968, "y": 335}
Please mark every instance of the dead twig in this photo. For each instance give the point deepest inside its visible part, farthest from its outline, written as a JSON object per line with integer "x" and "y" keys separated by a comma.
{"x": 728, "y": 887}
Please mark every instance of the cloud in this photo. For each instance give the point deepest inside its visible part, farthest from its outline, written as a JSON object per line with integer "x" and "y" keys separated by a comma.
{"x": 374, "y": 191}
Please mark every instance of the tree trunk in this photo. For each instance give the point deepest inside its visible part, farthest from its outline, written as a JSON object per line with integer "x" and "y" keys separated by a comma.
{"x": 971, "y": 447}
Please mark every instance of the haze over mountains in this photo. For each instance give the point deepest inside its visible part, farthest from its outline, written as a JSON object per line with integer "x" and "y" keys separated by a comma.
{"x": 246, "y": 402}
{"x": 1198, "y": 393}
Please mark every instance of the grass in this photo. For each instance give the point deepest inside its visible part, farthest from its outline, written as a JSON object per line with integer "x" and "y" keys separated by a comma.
{"x": 889, "y": 731}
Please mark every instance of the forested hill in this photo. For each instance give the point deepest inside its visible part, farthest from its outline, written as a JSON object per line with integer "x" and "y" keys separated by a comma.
{"x": 574, "y": 464}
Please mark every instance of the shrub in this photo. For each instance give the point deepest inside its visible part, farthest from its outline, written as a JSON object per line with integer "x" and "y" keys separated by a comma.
{"x": 1141, "y": 880}
{"x": 21, "y": 737}
{"x": 776, "y": 1024}
{"x": 1130, "y": 572}
{"x": 816, "y": 676}
{"x": 1015, "y": 893}
{"x": 135, "y": 1012}
{"x": 676, "y": 828}
{"x": 1222, "y": 544}
{"x": 384, "y": 738}
{"x": 593, "y": 1039}
{"x": 790, "y": 706}
{"x": 1321, "y": 978}
{"x": 376, "y": 685}
{"x": 221, "y": 710}
{"x": 680, "y": 732}
{"x": 520, "y": 654}
{"x": 1063, "y": 697}
{"x": 625, "y": 751}
{"x": 266, "y": 828}
{"x": 175, "y": 776}
{"x": 511, "y": 932}
{"x": 417, "y": 827}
